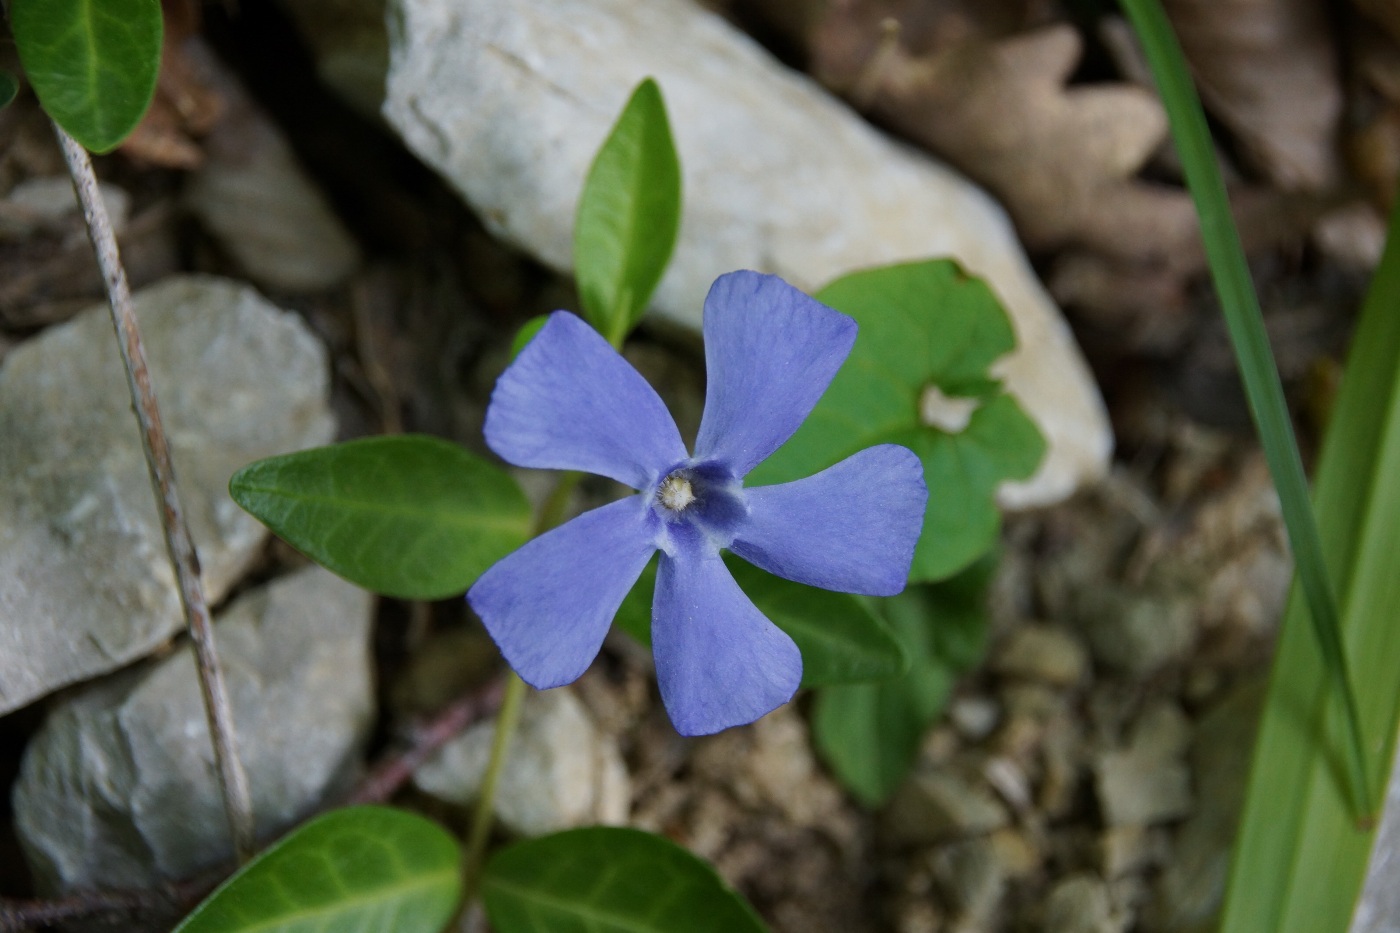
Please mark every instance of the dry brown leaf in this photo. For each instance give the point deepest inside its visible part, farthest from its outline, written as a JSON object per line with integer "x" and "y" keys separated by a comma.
{"x": 185, "y": 106}
{"x": 1268, "y": 70}
{"x": 1062, "y": 158}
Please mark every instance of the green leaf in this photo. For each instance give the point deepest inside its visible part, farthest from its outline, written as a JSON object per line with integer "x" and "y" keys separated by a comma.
{"x": 358, "y": 870}
{"x": 92, "y": 63}
{"x": 9, "y": 87}
{"x": 634, "y": 615}
{"x": 628, "y": 216}
{"x": 408, "y": 516}
{"x": 841, "y": 638}
{"x": 1300, "y": 858}
{"x": 609, "y": 880}
{"x": 869, "y": 734}
{"x": 922, "y": 325}
{"x": 526, "y": 333}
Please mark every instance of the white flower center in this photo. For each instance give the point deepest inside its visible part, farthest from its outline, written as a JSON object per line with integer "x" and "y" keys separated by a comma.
{"x": 675, "y": 493}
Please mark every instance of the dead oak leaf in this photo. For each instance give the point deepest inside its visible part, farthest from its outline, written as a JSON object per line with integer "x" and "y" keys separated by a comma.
{"x": 185, "y": 106}
{"x": 1063, "y": 159}
{"x": 1268, "y": 70}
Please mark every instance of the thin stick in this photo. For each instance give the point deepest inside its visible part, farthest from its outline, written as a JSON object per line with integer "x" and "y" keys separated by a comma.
{"x": 383, "y": 781}
{"x": 483, "y": 814}
{"x": 392, "y": 773}
{"x": 18, "y": 916}
{"x": 233, "y": 781}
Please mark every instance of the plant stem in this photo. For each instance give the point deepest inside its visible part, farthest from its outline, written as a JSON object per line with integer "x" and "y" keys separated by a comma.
{"x": 506, "y": 721}
{"x": 1240, "y": 305}
{"x": 551, "y": 514}
{"x": 233, "y": 781}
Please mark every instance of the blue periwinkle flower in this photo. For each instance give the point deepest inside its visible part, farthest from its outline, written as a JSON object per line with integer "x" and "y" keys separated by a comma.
{"x": 571, "y": 402}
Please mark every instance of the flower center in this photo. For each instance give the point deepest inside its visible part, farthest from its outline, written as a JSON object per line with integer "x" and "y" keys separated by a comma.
{"x": 676, "y": 492}
{"x": 701, "y": 499}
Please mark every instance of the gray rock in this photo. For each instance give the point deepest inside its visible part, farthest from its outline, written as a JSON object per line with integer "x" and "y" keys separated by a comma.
{"x": 1130, "y": 849}
{"x": 1191, "y": 888}
{"x": 1081, "y": 904}
{"x": 1043, "y": 653}
{"x": 936, "y": 806}
{"x": 1137, "y": 634}
{"x": 974, "y": 716}
{"x": 43, "y": 204}
{"x": 560, "y": 771}
{"x": 1147, "y": 782}
{"x": 971, "y": 877}
{"x": 262, "y": 207}
{"x": 118, "y": 788}
{"x": 85, "y": 584}
{"x": 510, "y": 99}
{"x": 770, "y": 766}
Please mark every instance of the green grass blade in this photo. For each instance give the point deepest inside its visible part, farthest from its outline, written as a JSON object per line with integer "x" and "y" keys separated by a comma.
{"x": 1300, "y": 859}
{"x": 1257, "y": 369}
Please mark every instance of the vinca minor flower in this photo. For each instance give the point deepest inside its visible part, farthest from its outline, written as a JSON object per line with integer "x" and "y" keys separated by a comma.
{"x": 571, "y": 402}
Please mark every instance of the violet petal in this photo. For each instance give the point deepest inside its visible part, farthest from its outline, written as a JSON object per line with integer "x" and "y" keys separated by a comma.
{"x": 719, "y": 661}
{"x": 548, "y": 605}
{"x": 770, "y": 352}
{"x": 852, "y": 527}
{"x": 571, "y": 402}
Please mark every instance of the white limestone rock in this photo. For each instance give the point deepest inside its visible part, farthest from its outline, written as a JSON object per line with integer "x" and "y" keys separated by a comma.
{"x": 118, "y": 787}
{"x": 560, "y": 771}
{"x": 85, "y": 584}
{"x": 510, "y": 99}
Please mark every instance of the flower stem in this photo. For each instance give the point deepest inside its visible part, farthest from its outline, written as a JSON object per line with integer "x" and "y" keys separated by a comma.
{"x": 506, "y": 721}
{"x": 551, "y": 514}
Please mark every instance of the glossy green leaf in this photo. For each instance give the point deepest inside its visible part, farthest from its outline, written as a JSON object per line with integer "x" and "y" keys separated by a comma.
{"x": 408, "y": 516}
{"x": 1300, "y": 858}
{"x": 609, "y": 880}
{"x": 634, "y": 615}
{"x": 92, "y": 63}
{"x": 9, "y": 87}
{"x": 922, "y": 325}
{"x": 841, "y": 638}
{"x": 869, "y": 734}
{"x": 358, "y": 870}
{"x": 628, "y": 216}
{"x": 526, "y": 333}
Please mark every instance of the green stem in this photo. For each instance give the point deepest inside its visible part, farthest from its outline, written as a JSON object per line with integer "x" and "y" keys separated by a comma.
{"x": 551, "y": 515}
{"x": 1258, "y": 371}
{"x": 506, "y": 721}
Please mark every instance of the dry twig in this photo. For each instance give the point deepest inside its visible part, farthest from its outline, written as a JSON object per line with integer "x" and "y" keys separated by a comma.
{"x": 233, "y": 781}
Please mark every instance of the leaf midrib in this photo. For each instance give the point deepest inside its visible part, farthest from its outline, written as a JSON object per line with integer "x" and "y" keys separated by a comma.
{"x": 399, "y": 892}
{"x": 496, "y": 522}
